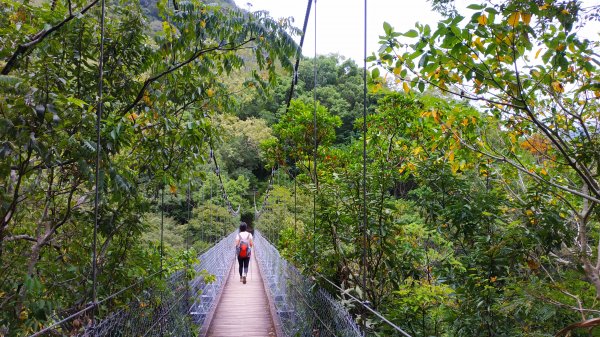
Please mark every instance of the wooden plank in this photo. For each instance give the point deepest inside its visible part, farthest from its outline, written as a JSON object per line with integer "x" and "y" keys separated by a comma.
{"x": 243, "y": 309}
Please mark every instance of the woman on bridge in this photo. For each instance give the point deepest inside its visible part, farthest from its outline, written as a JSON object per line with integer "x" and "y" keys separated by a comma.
{"x": 243, "y": 244}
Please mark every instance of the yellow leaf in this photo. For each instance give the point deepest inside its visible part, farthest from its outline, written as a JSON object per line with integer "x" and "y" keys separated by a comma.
{"x": 543, "y": 171}
{"x": 405, "y": 87}
{"x": 565, "y": 12}
{"x": 526, "y": 18}
{"x": 545, "y": 6}
{"x": 173, "y": 189}
{"x": 435, "y": 116}
{"x": 202, "y": 23}
{"x": 482, "y": 20}
{"x": 210, "y": 92}
{"x": 538, "y": 53}
{"x": 397, "y": 71}
{"x": 597, "y": 93}
{"x": 558, "y": 87}
{"x": 132, "y": 117}
{"x": 560, "y": 47}
{"x": 454, "y": 167}
{"x": 451, "y": 156}
{"x": 513, "y": 19}
{"x": 529, "y": 212}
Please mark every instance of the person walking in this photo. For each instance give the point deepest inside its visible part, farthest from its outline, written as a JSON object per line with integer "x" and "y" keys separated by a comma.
{"x": 243, "y": 246}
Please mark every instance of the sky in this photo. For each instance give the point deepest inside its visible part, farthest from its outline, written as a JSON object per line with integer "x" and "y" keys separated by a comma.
{"x": 340, "y": 27}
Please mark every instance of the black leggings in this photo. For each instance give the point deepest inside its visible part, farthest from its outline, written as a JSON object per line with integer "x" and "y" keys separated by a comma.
{"x": 244, "y": 263}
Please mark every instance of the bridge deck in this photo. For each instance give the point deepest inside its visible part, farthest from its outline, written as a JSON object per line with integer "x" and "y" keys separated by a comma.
{"x": 243, "y": 309}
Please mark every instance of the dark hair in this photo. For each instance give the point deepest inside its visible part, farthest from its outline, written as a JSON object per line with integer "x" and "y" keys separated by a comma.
{"x": 243, "y": 227}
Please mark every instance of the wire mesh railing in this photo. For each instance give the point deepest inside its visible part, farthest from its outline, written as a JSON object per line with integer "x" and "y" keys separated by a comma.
{"x": 154, "y": 313}
{"x": 177, "y": 309}
{"x": 216, "y": 261}
{"x": 304, "y": 309}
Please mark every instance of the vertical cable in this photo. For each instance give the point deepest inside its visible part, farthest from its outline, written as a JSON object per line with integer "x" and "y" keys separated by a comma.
{"x": 298, "y": 54}
{"x": 97, "y": 173}
{"x": 162, "y": 221}
{"x": 295, "y": 207}
{"x": 189, "y": 214}
{"x": 203, "y": 220}
{"x": 210, "y": 210}
{"x": 316, "y": 145}
{"x": 364, "y": 173}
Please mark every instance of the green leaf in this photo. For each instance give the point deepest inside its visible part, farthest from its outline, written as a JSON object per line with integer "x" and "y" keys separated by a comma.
{"x": 411, "y": 33}
{"x": 476, "y": 7}
{"x": 375, "y": 73}
{"x": 387, "y": 28}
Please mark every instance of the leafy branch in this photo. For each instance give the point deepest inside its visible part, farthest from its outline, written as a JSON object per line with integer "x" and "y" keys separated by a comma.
{"x": 40, "y": 36}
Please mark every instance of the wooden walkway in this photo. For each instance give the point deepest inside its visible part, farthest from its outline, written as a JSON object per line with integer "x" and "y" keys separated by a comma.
{"x": 243, "y": 309}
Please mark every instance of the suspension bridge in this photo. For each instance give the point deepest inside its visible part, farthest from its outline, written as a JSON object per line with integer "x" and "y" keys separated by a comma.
{"x": 276, "y": 301}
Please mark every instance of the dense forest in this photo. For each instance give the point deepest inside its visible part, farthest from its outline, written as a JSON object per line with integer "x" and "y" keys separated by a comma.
{"x": 481, "y": 173}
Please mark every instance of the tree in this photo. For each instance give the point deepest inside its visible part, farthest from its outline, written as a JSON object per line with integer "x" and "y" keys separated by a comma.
{"x": 339, "y": 89}
{"x": 297, "y": 139}
{"x": 527, "y": 67}
{"x": 158, "y": 92}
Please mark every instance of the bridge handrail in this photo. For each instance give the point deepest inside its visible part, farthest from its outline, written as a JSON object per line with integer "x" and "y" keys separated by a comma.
{"x": 216, "y": 261}
{"x": 168, "y": 311}
{"x": 304, "y": 309}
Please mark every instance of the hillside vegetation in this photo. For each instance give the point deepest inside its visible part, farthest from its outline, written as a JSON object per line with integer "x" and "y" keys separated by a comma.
{"x": 481, "y": 171}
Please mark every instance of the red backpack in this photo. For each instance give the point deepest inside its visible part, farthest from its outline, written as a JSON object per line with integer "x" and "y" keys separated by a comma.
{"x": 243, "y": 248}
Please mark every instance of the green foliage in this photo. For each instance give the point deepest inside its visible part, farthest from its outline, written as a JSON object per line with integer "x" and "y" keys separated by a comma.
{"x": 473, "y": 253}
{"x": 296, "y": 133}
{"x": 160, "y": 97}
{"x": 240, "y": 151}
{"x": 534, "y": 77}
{"x": 339, "y": 89}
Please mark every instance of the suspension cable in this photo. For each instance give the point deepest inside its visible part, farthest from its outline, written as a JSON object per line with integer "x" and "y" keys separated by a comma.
{"x": 298, "y": 54}
{"x": 364, "y": 168}
{"x": 264, "y": 204}
{"x": 363, "y": 304}
{"x": 223, "y": 192}
{"x": 316, "y": 145}
{"x": 97, "y": 172}
{"x": 295, "y": 207}
{"x": 163, "y": 315}
{"x": 189, "y": 214}
{"x": 94, "y": 305}
{"x": 162, "y": 220}
{"x": 211, "y": 210}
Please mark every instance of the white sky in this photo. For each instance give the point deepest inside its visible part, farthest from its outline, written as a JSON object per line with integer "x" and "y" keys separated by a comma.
{"x": 340, "y": 22}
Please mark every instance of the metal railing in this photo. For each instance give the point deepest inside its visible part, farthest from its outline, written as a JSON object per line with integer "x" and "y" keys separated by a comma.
{"x": 304, "y": 309}
{"x": 216, "y": 261}
{"x": 175, "y": 310}
{"x": 182, "y": 307}
{"x": 163, "y": 314}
